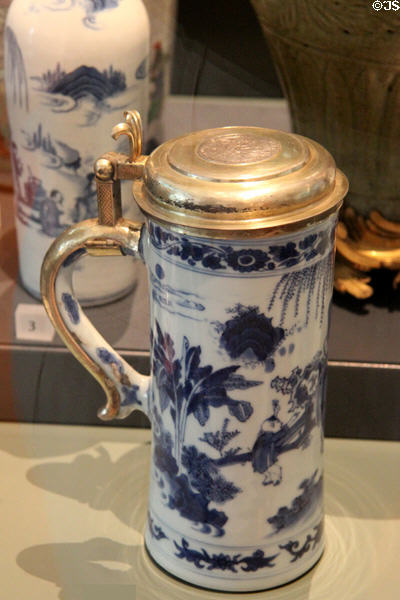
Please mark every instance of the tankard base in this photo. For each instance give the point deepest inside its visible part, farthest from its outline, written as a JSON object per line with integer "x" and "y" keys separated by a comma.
{"x": 247, "y": 581}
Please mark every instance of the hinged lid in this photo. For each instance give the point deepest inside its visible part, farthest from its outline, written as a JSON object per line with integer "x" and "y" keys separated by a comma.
{"x": 238, "y": 179}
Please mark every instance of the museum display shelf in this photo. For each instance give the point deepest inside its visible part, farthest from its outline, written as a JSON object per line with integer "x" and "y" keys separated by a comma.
{"x": 74, "y": 516}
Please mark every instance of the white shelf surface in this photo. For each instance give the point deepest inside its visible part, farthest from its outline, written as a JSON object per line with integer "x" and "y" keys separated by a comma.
{"x": 73, "y": 506}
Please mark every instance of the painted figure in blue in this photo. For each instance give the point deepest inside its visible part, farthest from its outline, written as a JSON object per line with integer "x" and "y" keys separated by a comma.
{"x": 305, "y": 388}
{"x": 265, "y": 452}
{"x": 276, "y": 437}
{"x": 50, "y": 213}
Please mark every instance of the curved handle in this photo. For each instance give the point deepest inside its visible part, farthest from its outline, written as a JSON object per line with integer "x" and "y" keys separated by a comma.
{"x": 126, "y": 389}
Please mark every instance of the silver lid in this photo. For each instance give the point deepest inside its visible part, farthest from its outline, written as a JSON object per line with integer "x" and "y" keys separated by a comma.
{"x": 240, "y": 179}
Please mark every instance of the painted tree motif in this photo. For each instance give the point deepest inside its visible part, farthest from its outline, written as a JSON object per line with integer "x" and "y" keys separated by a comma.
{"x": 220, "y": 439}
{"x": 188, "y": 388}
{"x": 189, "y": 478}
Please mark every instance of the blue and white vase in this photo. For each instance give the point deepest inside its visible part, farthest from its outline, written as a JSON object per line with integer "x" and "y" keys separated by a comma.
{"x": 71, "y": 66}
{"x": 239, "y": 251}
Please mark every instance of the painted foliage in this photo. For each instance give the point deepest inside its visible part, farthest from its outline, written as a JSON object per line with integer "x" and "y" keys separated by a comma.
{"x": 187, "y": 389}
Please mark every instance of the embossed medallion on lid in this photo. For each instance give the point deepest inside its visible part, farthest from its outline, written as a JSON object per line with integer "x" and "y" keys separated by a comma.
{"x": 236, "y": 148}
{"x": 233, "y": 154}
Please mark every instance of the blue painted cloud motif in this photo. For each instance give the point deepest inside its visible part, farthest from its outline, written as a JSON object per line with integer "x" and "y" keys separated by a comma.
{"x": 297, "y": 550}
{"x": 222, "y": 561}
{"x": 54, "y": 154}
{"x": 174, "y": 300}
{"x": 91, "y": 8}
{"x": 155, "y": 530}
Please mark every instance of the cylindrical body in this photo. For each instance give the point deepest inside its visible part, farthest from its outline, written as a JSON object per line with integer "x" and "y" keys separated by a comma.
{"x": 239, "y": 247}
{"x": 70, "y": 68}
{"x": 238, "y": 355}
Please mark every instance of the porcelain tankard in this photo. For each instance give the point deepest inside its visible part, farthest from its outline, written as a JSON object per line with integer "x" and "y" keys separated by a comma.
{"x": 238, "y": 240}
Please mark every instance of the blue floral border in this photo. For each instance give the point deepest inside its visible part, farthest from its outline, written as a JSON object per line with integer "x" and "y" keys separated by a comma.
{"x": 227, "y": 259}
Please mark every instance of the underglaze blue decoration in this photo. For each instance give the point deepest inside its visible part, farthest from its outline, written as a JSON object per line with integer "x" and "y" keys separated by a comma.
{"x": 85, "y": 89}
{"x": 65, "y": 92}
{"x": 220, "y": 439}
{"x": 302, "y": 504}
{"x": 190, "y": 390}
{"x": 56, "y": 155}
{"x": 305, "y": 388}
{"x": 277, "y": 437}
{"x": 44, "y": 208}
{"x": 222, "y": 561}
{"x": 234, "y": 259}
{"x": 313, "y": 283}
{"x": 297, "y": 550}
{"x": 190, "y": 488}
{"x": 90, "y": 7}
{"x": 174, "y": 300}
{"x": 250, "y": 335}
{"x": 17, "y": 83}
{"x": 82, "y": 81}
{"x": 141, "y": 71}
{"x": 155, "y": 530}
{"x": 187, "y": 388}
{"x": 71, "y": 307}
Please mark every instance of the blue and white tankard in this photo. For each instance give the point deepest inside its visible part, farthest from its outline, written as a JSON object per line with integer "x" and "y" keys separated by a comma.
{"x": 238, "y": 241}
